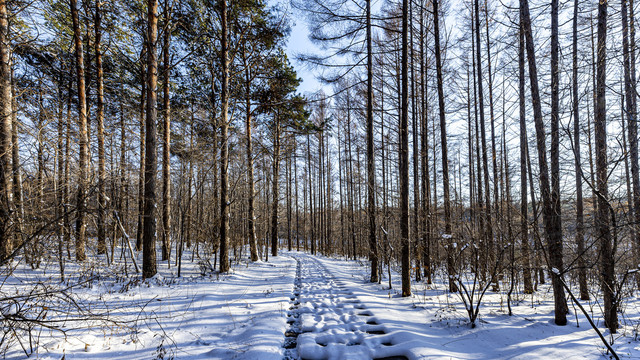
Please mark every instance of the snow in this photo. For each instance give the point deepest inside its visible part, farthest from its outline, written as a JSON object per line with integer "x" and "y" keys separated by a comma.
{"x": 326, "y": 307}
{"x": 240, "y": 315}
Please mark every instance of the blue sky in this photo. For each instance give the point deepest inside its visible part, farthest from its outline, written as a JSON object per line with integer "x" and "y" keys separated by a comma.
{"x": 299, "y": 42}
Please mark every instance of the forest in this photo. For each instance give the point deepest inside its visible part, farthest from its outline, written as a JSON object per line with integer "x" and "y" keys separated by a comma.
{"x": 462, "y": 181}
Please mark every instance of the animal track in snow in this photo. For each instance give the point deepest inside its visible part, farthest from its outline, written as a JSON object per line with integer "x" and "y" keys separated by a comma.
{"x": 327, "y": 321}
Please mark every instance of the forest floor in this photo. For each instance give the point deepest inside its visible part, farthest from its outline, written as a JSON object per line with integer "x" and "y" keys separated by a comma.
{"x": 294, "y": 306}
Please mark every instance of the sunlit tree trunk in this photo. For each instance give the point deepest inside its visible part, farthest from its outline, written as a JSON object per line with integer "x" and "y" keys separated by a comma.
{"x": 151, "y": 161}
{"x": 83, "y": 158}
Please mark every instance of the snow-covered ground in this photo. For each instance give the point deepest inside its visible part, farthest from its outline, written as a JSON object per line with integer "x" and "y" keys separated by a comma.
{"x": 302, "y": 306}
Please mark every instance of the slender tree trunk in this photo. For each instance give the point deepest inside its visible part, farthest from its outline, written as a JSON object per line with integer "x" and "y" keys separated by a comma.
{"x": 295, "y": 177}
{"x": 123, "y": 199}
{"x": 524, "y": 210}
{"x": 633, "y": 142}
{"x": 67, "y": 175}
{"x": 60, "y": 200}
{"x": 426, "y": 187}
{"x": 416, "y": 178}
{"x": 404, "y": 157}
{"x": 629, "y": 111}
{"x": 312, "y": 222}
{"x": 166, "y": 138}
{"x": 224, "y": 149}
{"x": 555, "y": 246}
{"x": 17, "y": 170}
{"x": 496, "y": 220}
{"x": 83, "y": 159}
{"x": 350, "y": 181}
{"x": 289, "y": 213}
{"x": 607, "y": 254}
{"x": 371, "y": 183}
{"x": 448, "y": 231}
{"x": 275, "y": 189}
{"x": 102, "y": 197}
{"x": 151, "y": 161}
{"x": 482, "y": 217}
{"x": 250, "y": 176}
{"x": 490, "y": 247}
{"x": 594, "y": 199}
{"x": 582, "y": 271}
{"x": 143, "y": 96}
{"x": 6, "y": 118}
{"x": 552, "y": 223}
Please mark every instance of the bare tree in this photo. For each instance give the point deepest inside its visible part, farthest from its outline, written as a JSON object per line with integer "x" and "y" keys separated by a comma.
{"x": 551, "y": 222}
{"x": 83, "y": 161}
{"x": 607, "y": 250}
{"x": 404, "y": 156}
{"x": 149, "y": 268}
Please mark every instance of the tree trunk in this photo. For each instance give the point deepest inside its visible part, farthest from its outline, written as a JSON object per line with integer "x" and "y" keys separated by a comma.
{"x": 143, "y": 94}
{"x": 404, "y": 157}
{"x": 102, "y": 197}
{"x": 275, "y": 186}
{"x": 524, "y": 212}
{"x": 555, "y": 245}
{"x": 166, "y": 138}
{"x": 224, "y": 148}
{"x": 17, "y": 170}
{"x": 493, "y": 247}
{"x": 371, "y": 177}
{"x": 551, "y": 222}
{"x": 149, "y": 227}
{"x": 489, "y": 246}
{"x": 250, "y": 176}
{"x": 416, "y": 177}
{"x": 289, "y": 186}
{"x": 608, "y": 280}
{"x": 582, "y": 271}
{"x": 6, "y": 118}
{"x": 629, "y": 111}
{"x": 448, "y": 231}
{"x": 60, "y": 200}
{"x": 83, "y": 158}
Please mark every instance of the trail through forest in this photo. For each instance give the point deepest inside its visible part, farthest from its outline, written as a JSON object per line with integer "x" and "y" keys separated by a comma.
{"x": 301, "y": 306}
{"x": 327, "y": 321}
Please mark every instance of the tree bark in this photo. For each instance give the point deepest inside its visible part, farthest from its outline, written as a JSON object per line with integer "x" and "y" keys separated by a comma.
{"x": 143, "y": 94}
{"x": 83, "y": 158}
{"x": 151, "y": 161}
{"x": 608, "y": 281}
{"x": 18, "y": 202}
{"x": 102, "y": 197}
{"x": 6, "y": 119}
{"x": 629, "y": 112}
{"x": 224, "y": 148}
{"x": 496, "y": 219}
{"x": 524, "y": 210}
{"x": 551, "y": 222}
{"x": 555, "y": 245}
{"x": 489, "y": 245}
{"x": 275, "y": 189}
{"x": 582, "y": 271}
{"x": 448, "y": 231}
{"x": 404, "y": 157}
{"x": 371, "y": 177}
{"x": 166, "y": 138}
{"x": 250, "y": 176}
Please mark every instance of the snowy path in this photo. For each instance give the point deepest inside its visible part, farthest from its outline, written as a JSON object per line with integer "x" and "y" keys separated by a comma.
{"x": 327, "y": 321}
{"x": 335, "y": 313}
{"x": 300, "y": 306}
